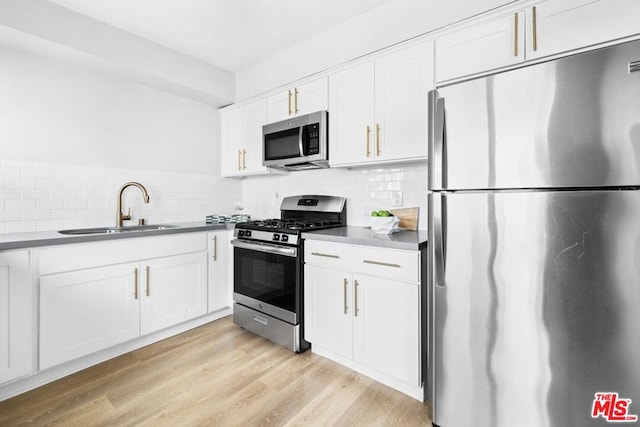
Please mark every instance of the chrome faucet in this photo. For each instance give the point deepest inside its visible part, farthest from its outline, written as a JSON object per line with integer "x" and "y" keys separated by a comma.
{"x": 120, "y": 217}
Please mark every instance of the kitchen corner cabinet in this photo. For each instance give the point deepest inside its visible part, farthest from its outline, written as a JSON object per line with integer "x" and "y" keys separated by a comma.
{"x": 378, "y": 108}
{"x": 96, "y": 295}
{"x": 304, "y": 98}
{"x": 16, "y": 312}
{"x": 362, "y": 308}
{"x": 543, "y": 29}
{"x": 241, "y": 139}
{"x": 220, "y": 270}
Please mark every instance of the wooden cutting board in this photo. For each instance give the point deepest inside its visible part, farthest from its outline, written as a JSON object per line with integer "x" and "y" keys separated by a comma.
{"x": 408, "y": 217}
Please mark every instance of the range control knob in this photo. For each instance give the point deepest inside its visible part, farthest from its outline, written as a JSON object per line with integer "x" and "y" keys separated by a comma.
{"x": 276, "y": 237}
{"x": 284, "y": 238}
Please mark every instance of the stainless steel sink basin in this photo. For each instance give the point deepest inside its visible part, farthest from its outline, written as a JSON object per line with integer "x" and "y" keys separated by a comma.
{"x": 109, "y": 230}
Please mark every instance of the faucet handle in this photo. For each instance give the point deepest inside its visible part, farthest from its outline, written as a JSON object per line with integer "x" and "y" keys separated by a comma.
{"x": 127, "y": 217}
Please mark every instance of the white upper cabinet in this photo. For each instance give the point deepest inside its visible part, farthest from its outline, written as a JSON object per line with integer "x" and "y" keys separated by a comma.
{"x": 378, "y": 109}
{"x": 302, "y": 99}
{"x": 556, "y": 26}
{"x": 485, "y": 46}
{"x": 542, "y": 29}
{"x": 351, "y": 115}
{"x": 241, "y": 134}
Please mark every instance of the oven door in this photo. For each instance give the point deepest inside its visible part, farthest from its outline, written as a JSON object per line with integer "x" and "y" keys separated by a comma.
{"x": 267, "y": 278}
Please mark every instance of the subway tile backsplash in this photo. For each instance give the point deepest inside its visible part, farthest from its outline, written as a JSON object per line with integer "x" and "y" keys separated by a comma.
{"x": 42, "y": 196}
{"x": 365, "y": 189}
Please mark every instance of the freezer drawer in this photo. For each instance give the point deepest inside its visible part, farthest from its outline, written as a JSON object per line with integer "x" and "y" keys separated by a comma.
{"x": 537, "y": 305}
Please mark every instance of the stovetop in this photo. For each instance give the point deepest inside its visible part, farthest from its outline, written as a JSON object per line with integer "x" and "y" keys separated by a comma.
{"x": 298, "y": 214}
{"x": 288, "y": 225}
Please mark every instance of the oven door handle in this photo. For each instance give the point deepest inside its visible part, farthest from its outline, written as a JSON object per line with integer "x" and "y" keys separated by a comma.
{"x": 264, "y": 247}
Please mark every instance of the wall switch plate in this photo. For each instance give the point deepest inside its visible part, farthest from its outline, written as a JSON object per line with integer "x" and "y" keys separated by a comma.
{"x": 396, "y": 198}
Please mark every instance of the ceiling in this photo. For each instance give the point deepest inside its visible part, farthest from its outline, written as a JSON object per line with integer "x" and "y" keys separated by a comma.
{"x": 231, "y": 34}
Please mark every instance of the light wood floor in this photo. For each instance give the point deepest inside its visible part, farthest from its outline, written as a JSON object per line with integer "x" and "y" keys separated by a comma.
{"x": 219, "y": 375}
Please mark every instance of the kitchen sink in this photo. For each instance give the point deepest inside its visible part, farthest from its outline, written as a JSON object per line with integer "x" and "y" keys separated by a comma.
{"x": 109, "y": 230}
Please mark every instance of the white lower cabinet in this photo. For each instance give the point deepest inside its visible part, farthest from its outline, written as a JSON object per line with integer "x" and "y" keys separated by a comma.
{"x": 327, "y": 309}
{"x": 220, "y": 270}
{"x": 175, "y": 290}
{"x": 16, "y": 311}
{"x": 371, "y": 323}
{"x": 387, "y": 327}
{"x": 88, "y": 310}
{"x": 128, "y": 288}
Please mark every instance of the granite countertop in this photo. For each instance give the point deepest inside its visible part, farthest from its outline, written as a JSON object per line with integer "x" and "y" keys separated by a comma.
{"x": 47, "y": 238}
{"x": 409, "y": 240}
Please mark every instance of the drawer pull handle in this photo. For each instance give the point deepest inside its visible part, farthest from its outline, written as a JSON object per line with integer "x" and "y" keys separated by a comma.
{"x": 324, "y": 255}
{"x": 386, "y": 264}
{"x": 260, "y": 320}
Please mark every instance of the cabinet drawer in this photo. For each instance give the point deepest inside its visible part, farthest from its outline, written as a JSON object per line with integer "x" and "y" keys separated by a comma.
{"x": 327, "y": 254}
{"x": 79, "y": 256}
{"x": 387, "y": 263}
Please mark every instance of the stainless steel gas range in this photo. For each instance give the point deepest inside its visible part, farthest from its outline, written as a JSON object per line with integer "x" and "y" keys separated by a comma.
{"x": 267, "y": 272}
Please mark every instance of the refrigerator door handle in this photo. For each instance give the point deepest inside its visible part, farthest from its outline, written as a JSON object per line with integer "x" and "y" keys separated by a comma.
{"x": 439, "y": 144}
{"x": 439, "y": 230}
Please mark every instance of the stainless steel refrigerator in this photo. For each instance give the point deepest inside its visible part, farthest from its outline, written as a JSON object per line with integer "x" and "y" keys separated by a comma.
{"x": 534, "y": 244}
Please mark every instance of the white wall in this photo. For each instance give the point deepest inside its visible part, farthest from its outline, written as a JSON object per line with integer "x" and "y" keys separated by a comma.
{"x": 52, "y": 111}
{"x": 70, "y": 136}
{"x": 390, "y": 23}
{"x": 365, "y": 189}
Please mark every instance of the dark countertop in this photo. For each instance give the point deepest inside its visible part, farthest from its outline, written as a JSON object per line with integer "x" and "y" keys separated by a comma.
{"x": 46, "y": 238}
{"x": 408, "y": 240}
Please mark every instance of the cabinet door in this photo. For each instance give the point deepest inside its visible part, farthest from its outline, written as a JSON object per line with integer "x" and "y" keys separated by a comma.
{"x": 174, "y": 289}
{"x": 387, "y": 327}
{"x": 88, "y": 310}
{"x": 311, "y": 97}
{"x": 351, "y": 115}
{"x": 480, "y": 47}
{"x": 280, "y": 105}
{"x": 16, "y": 309}
{"x": 219, "y": 277}
{"x": 255, "y": 115}
{"x": 402, "y": 80}
{"x": 561, "y": 26}
{"x": 300, "y": 99}
{"x": 232, "y": 130}
{"x": 328, "y": 311}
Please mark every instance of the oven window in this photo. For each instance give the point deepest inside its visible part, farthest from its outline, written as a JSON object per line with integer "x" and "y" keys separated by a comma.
{"x": 282, "y": 145}
{"x": 266, "y": 277}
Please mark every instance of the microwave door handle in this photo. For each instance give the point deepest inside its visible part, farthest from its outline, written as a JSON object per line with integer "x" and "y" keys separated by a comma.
{"x": 300, "y": 141}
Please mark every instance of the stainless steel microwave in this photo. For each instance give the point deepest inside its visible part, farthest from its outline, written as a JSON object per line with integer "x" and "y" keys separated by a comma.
{"x": 297, "y": 143}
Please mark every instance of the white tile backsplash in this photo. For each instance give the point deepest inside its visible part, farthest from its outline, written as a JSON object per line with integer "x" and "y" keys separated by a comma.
{"x": 364, "y": 188}
{"x": 37, "y": 196}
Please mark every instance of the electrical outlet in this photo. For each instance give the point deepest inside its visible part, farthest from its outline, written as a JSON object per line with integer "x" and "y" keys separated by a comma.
{"x": 396, "y": 198}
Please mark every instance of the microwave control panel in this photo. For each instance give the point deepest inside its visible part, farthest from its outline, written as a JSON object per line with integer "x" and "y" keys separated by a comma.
{"x": 311, "y": 139}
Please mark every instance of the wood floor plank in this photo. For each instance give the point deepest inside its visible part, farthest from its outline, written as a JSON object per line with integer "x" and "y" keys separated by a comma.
{"x": 218, "y": 375}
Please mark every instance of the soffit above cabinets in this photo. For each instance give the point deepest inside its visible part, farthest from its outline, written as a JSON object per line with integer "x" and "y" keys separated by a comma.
{"x": 231, "y": 34}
